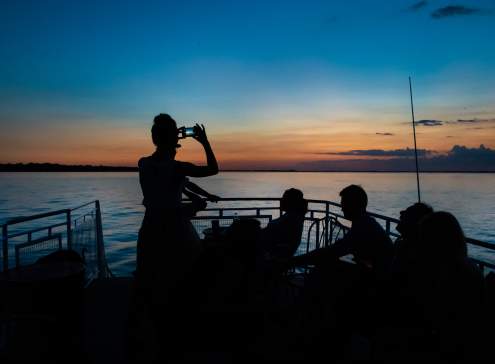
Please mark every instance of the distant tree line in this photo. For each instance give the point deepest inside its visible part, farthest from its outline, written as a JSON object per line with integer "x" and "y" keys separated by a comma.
{"x": 54, "y": 167}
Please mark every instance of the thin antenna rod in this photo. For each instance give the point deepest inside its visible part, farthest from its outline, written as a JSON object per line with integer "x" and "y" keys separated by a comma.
{"x": 415, "y": 147}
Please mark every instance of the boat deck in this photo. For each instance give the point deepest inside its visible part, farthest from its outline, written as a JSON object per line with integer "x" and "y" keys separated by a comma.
{"x": 106, "y": 311}
{"x": 106, "y": 332}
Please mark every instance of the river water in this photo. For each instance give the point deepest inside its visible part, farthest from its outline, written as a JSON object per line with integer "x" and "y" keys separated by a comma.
{"x": 470, "y": 197}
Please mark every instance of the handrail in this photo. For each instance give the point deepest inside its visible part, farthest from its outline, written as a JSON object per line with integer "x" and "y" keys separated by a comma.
{"x": 36, "y": 230}
{"x": 323, "y": 219}
{"x": 83, "y": 205}
{"x": 17, "y": 220}
{"x": 102, "y": 266}
{"x": 480, "y": 243}
{"x": 327, "y": 203}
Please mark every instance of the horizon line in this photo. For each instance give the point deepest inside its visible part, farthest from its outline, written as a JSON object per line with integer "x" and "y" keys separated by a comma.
{"x": 57, "y": 167}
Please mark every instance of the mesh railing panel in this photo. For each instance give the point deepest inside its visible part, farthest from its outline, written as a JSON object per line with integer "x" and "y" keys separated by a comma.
{"x": 30, "y": 252}
{"x": 308, "y": 241}
{"x": 84, "y": 242}
{"x": 32, "y": 237}
{"x": 200, "y": 223}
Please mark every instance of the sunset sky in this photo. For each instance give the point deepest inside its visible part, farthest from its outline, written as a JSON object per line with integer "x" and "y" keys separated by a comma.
{"x": 280, "y": 84}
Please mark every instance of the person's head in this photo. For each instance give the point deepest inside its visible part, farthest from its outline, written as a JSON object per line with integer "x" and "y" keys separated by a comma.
{"x": 164, "y": 133}
{"x": 408, "y": 225}
{"x": 354, "y": 200}
{"x": 442, "y": 238}
{"x": 293, "y": 201}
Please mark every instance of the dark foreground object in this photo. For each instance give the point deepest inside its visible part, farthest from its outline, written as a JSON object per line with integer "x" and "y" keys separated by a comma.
{"x": 104, "y": 323}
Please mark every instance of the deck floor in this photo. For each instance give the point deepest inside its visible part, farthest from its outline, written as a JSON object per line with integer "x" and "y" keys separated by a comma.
{"x": 105, "y": 315}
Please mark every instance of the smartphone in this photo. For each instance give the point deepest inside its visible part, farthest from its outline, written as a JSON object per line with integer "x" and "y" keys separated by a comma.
{"x": 187, "y": 132}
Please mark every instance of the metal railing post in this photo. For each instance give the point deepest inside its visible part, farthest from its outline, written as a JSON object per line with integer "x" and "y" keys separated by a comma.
{"x": 69, "y": 229}
{"x": 327, "y": 210}
{"x": 100, "y": 253}
{"x": 5, "y": 248}
{"x": 317, "y": 241}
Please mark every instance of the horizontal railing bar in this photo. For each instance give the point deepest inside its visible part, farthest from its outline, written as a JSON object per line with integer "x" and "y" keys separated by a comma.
{"x": 386, "y": 218}
{"x": 239, "y": 208}
{"x": 227, "y": 217}
{"x": 271, "y": 199}
{"x": 84, "y": 205}
{"x": 37, "y": 229}
{"x": 248, "y": 199}
{"x": 480, "y": 243}
{"x": 17, "y": 220}
{"x": 82, "y": 216}
{"x": 324, "y": 202}
{"x": 255, "y": 208}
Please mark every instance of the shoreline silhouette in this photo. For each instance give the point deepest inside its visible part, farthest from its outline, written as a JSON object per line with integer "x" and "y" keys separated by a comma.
{"x": 56, "y": 167}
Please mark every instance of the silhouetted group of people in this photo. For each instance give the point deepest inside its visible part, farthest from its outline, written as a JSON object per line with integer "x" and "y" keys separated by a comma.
{"x": 419, "y": 298}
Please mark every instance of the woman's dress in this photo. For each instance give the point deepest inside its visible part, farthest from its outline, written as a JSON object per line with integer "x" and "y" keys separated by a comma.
{"x": 167, "y": 248}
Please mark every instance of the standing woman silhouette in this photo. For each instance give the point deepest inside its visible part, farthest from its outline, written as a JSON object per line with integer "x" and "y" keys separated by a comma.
{"x": 166, "y": 249}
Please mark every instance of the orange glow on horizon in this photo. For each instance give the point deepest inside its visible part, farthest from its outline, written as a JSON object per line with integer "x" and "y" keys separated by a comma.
{"x": 272, "y": 147}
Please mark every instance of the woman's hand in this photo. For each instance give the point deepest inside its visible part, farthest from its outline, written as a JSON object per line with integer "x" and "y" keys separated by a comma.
{"x": 200, "y": 134}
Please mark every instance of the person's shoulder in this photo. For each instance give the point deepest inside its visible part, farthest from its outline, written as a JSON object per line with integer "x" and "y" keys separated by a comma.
{"x": 369, "y": 226}
{"x": 371, "y": 221}
{"x": 144, "y": 161}
{"x": 364, "y": 222}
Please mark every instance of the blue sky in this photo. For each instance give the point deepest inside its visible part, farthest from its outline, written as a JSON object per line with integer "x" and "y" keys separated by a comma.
{"x": 265, "y": 71}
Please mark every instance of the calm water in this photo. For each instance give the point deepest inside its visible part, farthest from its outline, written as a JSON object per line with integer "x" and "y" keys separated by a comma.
{"x": 470, "y": 197}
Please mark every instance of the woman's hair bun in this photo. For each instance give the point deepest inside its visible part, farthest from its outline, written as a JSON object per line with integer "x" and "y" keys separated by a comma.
{"x": 162, "y": 118}
{"x": 164, "y": 131}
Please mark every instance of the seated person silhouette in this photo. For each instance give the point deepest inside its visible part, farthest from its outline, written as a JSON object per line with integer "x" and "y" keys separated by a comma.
{"x": 406, "y": 246}
{"x": 367, "y": 241}
{"x": 282, "y": 236}
{"x": 340, "y": 297}
{"x": 400, "y": 302}
{"x": 225, "y": 285}
{"x": 445, "y": 289}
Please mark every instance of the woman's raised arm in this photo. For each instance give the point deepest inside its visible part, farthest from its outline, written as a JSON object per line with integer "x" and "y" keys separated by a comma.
{"x": 211, "y": 168}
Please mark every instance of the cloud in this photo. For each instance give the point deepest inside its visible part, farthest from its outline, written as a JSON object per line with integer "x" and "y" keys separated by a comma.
{"x": 454, "y": 10}
{"x": 385, "y": 134}
{"x": 381, "y": 152}
{"x": 459, "y": 158}
{"x": 465, "y": 152}
{"x": 417, "y": 6}
{"x": 475, "y": 120}
{"x": 429, "y": 122}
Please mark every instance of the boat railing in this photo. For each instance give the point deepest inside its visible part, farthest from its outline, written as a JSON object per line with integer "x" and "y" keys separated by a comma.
{"x": 324, "y": 224}
{"x": 26, "y": 239}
